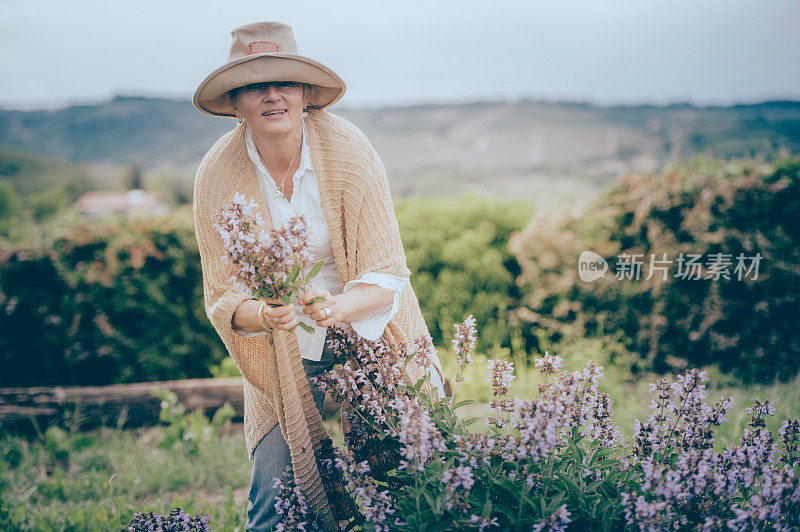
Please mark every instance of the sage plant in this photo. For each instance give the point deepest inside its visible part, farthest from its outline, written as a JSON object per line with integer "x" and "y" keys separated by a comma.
{"x": 551, "y": 463}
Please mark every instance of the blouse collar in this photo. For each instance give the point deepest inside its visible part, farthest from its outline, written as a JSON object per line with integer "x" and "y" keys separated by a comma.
{"x": 252, "y": 151}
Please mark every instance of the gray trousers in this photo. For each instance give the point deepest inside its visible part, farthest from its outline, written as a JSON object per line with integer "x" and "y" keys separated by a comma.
{"x": 271, "y": 455}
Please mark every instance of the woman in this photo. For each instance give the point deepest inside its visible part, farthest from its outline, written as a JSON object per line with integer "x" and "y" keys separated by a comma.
{"x": 339, "y": 184}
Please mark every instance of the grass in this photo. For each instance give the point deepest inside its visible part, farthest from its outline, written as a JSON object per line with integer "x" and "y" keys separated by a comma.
{"x": 97, "y": 480}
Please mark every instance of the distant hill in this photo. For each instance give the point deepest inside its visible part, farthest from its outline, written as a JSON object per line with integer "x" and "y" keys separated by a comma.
{"x": 530, "y": 148}
{"x": 126, "y": 130}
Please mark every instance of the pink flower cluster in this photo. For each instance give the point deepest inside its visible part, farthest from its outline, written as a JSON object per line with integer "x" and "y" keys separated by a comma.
{"x": 689, "y": 485}
{"x": 262, "y": 260}
{"x": 790, "y": 434}
{"x": 416, "y": 432}
{"x": 290, "y": 504}
{"x": 372, "y": 379}
{"x": 549, "y": 364}
{"x": 680, "y": 416}
{"x": 572, "y": 400}
{"x": 377, "y": 502}
{"x": 555, "y": 522}
{"x": 499, "y": 374}
{"x": 464, "y": 342}
{"x": 458, "y": 480}
{"x": 483, "y": 522}
{"x": 368, "y": 377}
{"x": 420, "y": 351}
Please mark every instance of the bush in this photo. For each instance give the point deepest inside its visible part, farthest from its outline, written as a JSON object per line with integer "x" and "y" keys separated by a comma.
{"x": 112, "y": 301}
{"x": 457, "y": 253}
{"x": 749, "y": 326}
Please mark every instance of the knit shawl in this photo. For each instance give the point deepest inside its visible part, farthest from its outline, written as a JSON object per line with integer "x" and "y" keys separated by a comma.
{"x": 358, "y": 208}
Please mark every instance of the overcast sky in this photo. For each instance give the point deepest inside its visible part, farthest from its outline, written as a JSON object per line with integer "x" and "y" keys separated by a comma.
{"x": 54, "y": 52}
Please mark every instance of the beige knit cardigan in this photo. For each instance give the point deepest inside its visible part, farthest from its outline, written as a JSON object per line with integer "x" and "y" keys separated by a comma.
{"x": 355, "y": 198}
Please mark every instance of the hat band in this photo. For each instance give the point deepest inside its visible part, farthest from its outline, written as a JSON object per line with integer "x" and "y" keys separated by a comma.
{"x": 263, "y": 47}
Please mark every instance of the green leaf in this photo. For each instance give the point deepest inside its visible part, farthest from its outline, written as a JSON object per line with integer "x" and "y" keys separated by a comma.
{"x": 555, "y": 502}
{"x": 487, "y": 508}
{"x": 286, "y": 299}
{"x": 470, "y": 421}
{"x": 602, "y": 453}
{"x": 443, "y": 402}
{"x": 294, "y": 273}
{"x": 463, "y": 403}
{"x": 605, "y": 464}
{"x": 607, "y": 520}
{"x": 594, "y": 484}
{"x": 569, "y": 484}
{"x": 604, "y": 505}
{"x": 508, "y": 512}
{"x": 430, "y": 500}
{"x": 315, "y": 269}
{"x": 306, "y": 327}
{"x": 576, "y": 452}
{"x": 313, "y": 300}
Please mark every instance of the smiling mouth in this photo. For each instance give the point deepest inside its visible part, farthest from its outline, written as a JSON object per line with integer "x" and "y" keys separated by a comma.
{"x": 274, "y": 113}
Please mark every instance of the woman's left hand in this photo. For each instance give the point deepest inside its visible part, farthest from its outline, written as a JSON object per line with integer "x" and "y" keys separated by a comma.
{"x": 317, "y": 310}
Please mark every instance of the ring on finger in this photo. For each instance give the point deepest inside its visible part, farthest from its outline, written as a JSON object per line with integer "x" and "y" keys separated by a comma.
{"x": 328, "y": 313}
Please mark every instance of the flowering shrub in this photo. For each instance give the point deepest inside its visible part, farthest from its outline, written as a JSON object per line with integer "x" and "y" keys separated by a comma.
{"x": 704, "y": 207}
{"x": 685, "y": 484}
{"x": 546, "y": 464}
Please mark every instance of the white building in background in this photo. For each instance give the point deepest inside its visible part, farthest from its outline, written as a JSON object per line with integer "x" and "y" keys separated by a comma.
{"x": 128, "y": 202}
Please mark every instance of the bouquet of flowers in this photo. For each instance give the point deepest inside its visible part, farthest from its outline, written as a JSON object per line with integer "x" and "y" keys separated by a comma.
{"x": 267, "y": 263}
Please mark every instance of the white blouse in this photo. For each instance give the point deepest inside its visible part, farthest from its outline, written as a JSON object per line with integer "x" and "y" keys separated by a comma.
{"x": 305, "y": 200}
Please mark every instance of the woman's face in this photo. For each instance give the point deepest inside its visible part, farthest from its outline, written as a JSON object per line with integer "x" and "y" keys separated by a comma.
{"x": 274, "y": 108}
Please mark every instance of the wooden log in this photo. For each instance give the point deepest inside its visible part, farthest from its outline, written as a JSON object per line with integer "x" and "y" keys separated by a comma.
{"x": 123, "y": 405}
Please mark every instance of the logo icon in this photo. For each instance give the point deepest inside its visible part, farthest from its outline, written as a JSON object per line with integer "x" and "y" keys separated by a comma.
{"x": 591, "y": 266}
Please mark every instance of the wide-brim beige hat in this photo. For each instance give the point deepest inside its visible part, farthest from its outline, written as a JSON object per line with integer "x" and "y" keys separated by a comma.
{"x": 266, "y": 51}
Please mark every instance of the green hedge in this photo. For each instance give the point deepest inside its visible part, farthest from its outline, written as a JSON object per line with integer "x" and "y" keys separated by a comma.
{"x": 750, "y": 327}
{"x": 457, "y": 251}
{"x": 120, "y": 300}
{"x": 108, "y": 302}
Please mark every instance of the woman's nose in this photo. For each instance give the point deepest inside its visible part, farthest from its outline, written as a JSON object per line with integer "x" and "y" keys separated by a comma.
{"x": 271, "y": 93}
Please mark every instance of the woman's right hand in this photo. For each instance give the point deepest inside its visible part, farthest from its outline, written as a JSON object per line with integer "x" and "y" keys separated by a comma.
{"x": 280, "y": 316}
